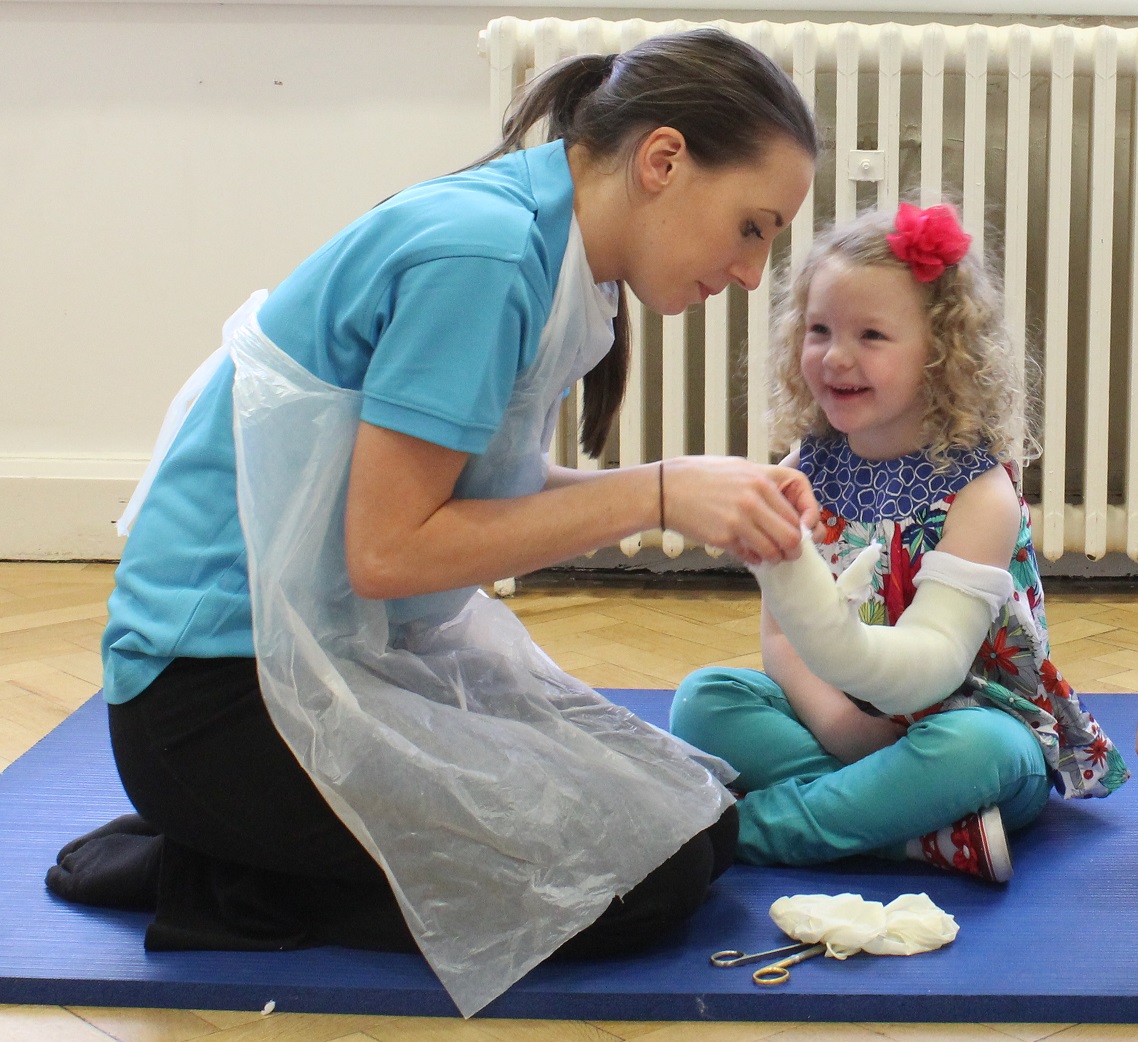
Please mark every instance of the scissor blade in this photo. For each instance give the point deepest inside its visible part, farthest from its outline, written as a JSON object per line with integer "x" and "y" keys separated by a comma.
{"x": 734, "y": 957}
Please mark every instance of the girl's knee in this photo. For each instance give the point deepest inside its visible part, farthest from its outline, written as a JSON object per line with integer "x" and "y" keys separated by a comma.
{"x": 983, "y": 742}
{"x": 696, "y": 695}
{"x": 703, "y": 696}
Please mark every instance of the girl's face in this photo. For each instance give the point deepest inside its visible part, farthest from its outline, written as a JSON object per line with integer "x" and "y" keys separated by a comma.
{"x": 704, "y": 229}
{"x": 864, "y": 353}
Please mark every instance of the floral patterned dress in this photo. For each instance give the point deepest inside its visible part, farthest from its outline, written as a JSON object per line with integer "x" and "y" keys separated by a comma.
{"x": 902, "y": 504}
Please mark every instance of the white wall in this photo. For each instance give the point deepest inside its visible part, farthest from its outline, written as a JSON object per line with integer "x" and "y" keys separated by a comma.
{"x": 158, "y": 162}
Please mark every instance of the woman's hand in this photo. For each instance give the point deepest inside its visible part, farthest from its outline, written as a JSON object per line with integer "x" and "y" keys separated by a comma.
{"x": 756, "y": 511}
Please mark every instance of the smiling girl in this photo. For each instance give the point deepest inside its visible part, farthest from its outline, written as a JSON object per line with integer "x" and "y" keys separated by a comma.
{"x": 931, "y": 719}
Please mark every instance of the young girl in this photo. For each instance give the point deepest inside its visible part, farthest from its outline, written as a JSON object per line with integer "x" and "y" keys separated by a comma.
{"x": 329, "y": 735}
{"x": 929, "y": 719}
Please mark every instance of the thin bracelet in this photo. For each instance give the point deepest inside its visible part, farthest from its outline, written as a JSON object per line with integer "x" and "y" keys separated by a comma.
{"x": 662, "y": 527}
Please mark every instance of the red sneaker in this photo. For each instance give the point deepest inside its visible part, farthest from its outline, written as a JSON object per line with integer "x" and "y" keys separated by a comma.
{"x": 976, "y": 844}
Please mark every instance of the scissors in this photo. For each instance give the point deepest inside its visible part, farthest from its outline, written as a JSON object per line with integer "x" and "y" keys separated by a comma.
{"x": 777, "y": 972}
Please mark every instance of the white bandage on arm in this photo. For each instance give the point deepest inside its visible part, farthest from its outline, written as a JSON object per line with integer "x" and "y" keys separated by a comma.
{"x": 899, "y": 669}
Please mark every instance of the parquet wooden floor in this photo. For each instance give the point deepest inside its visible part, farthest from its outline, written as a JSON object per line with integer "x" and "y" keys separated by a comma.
{"x": 625, "y": 634}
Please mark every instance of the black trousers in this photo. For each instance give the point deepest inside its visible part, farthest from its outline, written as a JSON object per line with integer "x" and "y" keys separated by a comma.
{"x": 252, "y": 857}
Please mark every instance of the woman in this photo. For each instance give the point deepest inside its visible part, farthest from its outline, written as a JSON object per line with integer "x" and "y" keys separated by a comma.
{"x": 393, "y": 399}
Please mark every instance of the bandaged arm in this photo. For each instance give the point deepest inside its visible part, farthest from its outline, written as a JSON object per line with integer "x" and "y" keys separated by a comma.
{"x": 900, "y": 669}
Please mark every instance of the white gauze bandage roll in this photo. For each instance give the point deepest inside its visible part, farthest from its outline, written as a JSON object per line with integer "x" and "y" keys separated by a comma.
{"x": 899, "y": 669}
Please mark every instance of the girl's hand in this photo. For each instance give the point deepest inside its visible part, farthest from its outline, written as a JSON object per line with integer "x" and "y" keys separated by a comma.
{"x": 756, "y": 511}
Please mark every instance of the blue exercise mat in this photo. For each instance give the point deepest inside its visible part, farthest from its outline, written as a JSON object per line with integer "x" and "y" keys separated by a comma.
{"x": 1052, "y": 946}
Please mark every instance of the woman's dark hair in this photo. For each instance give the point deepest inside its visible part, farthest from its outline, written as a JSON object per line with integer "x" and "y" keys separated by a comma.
{"x": 728, "y": 99}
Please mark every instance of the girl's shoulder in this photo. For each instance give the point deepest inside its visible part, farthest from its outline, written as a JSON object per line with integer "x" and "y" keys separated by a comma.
{"x": 986, "y": 519}
{"x": 870, "y": 491}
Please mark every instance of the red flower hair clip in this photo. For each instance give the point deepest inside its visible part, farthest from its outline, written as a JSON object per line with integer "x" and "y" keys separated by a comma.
{"x": 928, "y": 240}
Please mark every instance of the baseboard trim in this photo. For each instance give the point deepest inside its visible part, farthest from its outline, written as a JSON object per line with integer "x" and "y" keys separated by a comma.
{"x": 64, "y": 509}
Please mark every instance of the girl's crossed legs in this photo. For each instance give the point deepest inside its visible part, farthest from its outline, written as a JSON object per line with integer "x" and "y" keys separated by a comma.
{"x": 804, "y": 806}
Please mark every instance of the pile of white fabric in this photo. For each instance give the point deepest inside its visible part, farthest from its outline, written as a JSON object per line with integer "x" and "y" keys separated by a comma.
{"x": 848, "y": 923}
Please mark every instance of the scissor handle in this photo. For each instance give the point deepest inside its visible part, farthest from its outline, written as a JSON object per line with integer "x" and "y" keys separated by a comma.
{"x": 729, "y": 957}
{"x": 776, "y": 973}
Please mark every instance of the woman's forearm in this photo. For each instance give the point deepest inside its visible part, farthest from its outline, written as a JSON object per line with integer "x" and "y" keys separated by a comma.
{"x": 405, "y": 534}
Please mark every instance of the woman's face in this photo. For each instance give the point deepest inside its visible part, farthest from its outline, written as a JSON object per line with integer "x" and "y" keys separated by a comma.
{"x": 702, "y": 229}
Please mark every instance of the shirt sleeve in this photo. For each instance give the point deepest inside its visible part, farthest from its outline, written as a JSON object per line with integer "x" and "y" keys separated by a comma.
{"x": 457, "y": 334}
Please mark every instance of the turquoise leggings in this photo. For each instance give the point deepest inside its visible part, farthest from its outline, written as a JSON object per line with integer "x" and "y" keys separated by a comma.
{"x": 805, "y": 807}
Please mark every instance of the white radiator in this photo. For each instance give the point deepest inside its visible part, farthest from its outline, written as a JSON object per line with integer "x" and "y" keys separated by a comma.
{"x": 1031, "y": 129}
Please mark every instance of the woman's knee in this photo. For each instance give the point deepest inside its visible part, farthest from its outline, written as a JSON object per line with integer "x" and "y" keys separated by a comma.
{"x": 662, "y": 901}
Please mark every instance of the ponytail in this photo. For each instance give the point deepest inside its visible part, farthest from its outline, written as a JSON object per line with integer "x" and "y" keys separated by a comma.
{"x": 553, "y": 96}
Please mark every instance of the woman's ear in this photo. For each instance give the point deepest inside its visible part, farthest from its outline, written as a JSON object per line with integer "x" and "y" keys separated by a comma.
{"x": 657, "y": 158}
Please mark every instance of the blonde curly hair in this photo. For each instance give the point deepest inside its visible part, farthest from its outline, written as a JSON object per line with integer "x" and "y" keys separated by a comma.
{"x": 974, "y": 387}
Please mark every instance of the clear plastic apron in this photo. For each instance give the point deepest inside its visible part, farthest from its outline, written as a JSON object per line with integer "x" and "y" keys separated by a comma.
{"x": 507, "y": 802}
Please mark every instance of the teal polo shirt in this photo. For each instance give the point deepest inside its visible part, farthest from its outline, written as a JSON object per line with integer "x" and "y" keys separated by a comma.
{"x": 431, "y": 305}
